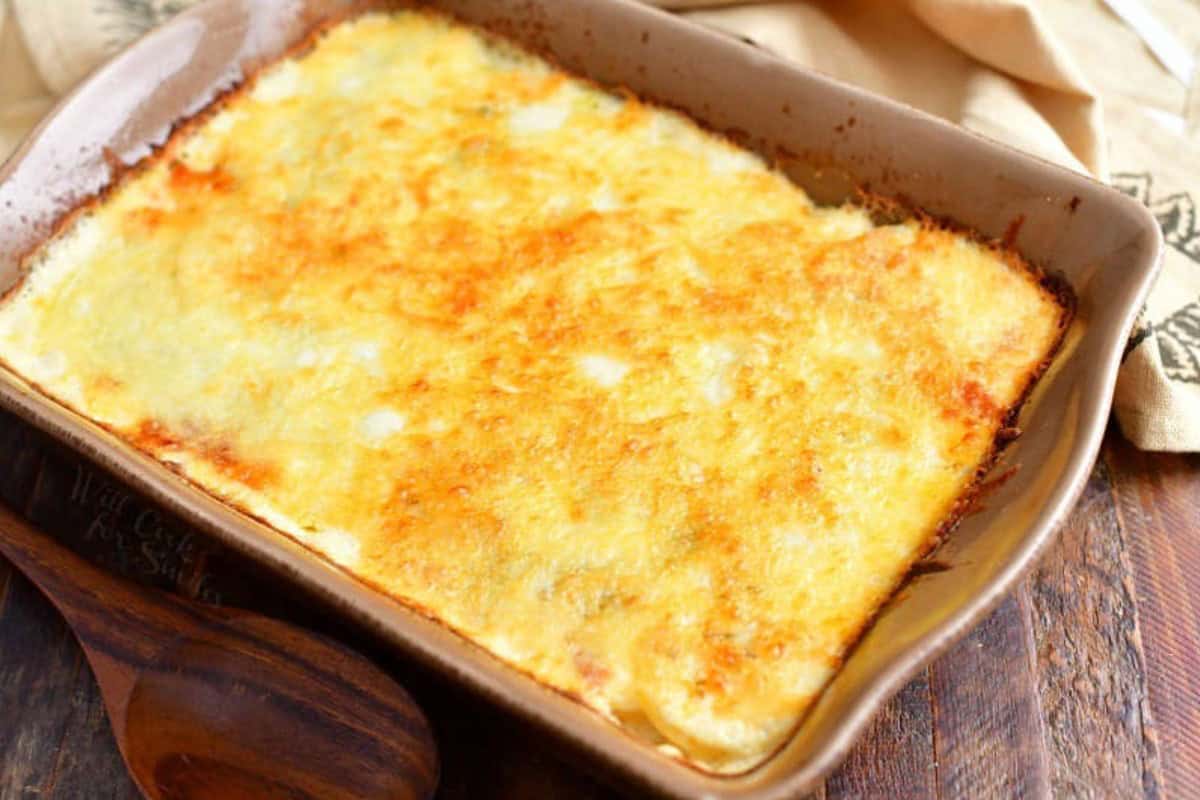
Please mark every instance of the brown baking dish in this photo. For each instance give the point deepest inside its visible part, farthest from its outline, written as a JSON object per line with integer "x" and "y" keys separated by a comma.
{"x": 833, "y": 140}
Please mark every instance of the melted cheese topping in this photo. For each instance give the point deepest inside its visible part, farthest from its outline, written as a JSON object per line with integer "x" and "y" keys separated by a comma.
{"x": 590, "y": 385}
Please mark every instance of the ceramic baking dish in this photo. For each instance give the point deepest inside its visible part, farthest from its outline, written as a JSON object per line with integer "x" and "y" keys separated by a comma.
{"x": 833, "y": 140}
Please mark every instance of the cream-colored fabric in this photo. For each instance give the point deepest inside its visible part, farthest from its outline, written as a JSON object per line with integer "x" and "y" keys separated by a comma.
{"x": 1064, "y": 79}
{"x": 1153, "y": 124}
{"x": 47, "y": 46}
{"x": 990, "y": 66}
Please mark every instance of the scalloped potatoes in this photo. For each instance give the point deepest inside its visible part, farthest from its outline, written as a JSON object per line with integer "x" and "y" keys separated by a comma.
{"x": 594, "y": 387}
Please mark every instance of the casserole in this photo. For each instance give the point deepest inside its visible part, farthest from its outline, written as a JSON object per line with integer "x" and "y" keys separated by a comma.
{"x": 551, "y": 29}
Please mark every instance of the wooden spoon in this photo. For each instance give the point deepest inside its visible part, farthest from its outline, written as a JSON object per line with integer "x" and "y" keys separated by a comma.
{"x": 215, "y": 703}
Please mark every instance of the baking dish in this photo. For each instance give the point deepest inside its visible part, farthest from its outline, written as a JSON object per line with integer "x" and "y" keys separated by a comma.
{"x": 842, "y": 140}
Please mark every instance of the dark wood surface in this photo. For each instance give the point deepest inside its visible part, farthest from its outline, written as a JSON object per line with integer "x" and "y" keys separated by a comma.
{"x": 213, "y": 702}
{"x": 1083, "y": 683}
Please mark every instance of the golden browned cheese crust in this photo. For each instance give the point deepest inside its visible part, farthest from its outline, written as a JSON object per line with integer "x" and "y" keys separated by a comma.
{"x": 592, "y": 386}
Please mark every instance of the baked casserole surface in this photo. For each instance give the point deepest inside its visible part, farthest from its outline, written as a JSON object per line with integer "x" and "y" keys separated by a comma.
{"x": 599, "y": 390}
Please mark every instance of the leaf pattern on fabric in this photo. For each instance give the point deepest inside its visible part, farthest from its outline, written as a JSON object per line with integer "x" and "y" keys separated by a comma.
{"x": 125, "y": 20}
{"x": 1178, "y": 334}
{"x": 1179, "y": 343}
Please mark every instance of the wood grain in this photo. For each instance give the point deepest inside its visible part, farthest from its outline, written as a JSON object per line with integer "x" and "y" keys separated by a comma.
{"x": 54, "y": 741}
{"x": 213, "y": 703}
{"x": 1099, "y": 730}
{"x": 989, "y": 738}
{"x": 894, "y": 752}
{"x": 1076, "y": 686}
{"x": 1158, "y": 506}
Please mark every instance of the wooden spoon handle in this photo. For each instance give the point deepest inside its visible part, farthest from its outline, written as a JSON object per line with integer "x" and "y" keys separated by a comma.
{"x": 218, "y": 705}
{"x": 106, "y": 613}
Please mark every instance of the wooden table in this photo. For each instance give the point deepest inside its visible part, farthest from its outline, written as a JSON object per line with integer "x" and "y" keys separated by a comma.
{"x": 1083, "y": 683}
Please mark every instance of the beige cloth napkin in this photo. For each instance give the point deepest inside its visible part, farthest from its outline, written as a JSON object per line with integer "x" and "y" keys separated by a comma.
{"x": 1032, "y": 74}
